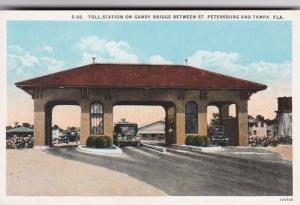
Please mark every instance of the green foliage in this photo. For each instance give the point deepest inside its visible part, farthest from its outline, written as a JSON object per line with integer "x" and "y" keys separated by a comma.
{"x": 109, "y": 141}
{"x": 90, "y": 142}
{"x": 263, "y": 141}
{"x": 17, "y": 142}
{"x": 189, "y": 140}
{"x": 260, "y": 118}
{"x": 215, "y": 119}
{"x": 196, "y": 140}
{"x": 100, "y": 142}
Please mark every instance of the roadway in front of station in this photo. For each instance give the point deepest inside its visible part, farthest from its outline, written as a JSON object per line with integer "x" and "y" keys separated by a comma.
{"x": 184, "y": 173}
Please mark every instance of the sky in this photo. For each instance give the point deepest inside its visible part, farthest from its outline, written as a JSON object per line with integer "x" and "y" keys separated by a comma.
{"x": 259, "y": 51}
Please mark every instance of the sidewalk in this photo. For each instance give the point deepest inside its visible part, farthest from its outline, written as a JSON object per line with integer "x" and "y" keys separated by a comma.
{"x": 33, "y": 172}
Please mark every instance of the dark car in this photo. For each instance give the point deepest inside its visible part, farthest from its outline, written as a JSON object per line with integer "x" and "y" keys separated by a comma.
{"x": 63, "y": 139}
{"x": 217, "y": 135}
{"x": 126, "y": 134}
{"x": 72, "y": 136}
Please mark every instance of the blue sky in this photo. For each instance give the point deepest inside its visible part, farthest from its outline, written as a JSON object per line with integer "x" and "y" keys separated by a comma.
{"x": 255, "y": 50}
{"x": 267, "y": 41}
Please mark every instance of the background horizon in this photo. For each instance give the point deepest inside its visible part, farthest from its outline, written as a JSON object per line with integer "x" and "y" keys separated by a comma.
{"x": 259, "y": 51}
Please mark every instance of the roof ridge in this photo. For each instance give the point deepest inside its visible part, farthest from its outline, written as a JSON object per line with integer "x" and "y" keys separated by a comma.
{"x": 147, "y": 125}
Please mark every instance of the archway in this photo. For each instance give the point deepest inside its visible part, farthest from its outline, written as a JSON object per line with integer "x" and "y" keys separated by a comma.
{"x": 156, "y": 120}
{"x": 58, "y": 117}
{"x": 225, "y": 114}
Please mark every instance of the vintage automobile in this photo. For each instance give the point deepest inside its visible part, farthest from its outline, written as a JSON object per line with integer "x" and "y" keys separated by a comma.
{"x": 72, "y": 136}
{"x": 68, "y": 137}
{"x": 125, "y": 133}
{"x": 63, "y": 139}
{"x": 217, "y": 135}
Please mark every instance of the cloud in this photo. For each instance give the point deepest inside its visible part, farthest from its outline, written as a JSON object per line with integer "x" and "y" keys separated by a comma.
{"x": 216, "y": 60}
{"x": 268, "y": 72}
{"x": 277, "y": 76}
{"x": 229, "y": 64}
{"x": 24, "y": 57}
{"x": 52, "y": 65}
{"x": 22, "y": 64}
{"x": 91, "y": 43}
{"x": 157, "y": 59}
{"x": 49, "y": 49}
{"x": 106, "y": 51}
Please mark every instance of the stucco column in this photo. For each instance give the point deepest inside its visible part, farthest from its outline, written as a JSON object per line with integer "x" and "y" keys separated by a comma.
{"x": 108, "y": 119}
{"x": 202, "y": 118}
{"x": 39, "y": 122}
{"x": 84, "y": 121}
{"x": 180, "y": 123}
{"x": 243, "y": 122}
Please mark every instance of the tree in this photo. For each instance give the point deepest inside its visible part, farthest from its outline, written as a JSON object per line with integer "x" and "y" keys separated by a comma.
{"x": 56, "y": 126}
{"x": 215, "y": 120}
{"x": 16, "y": 124}
{"x": 9, "y": 127}
{"x": 260, "y": 117}
{"x": 250, "y": 117}
{"x": 25, "y": 124}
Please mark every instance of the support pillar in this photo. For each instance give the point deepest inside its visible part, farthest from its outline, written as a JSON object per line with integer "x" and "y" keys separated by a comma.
{"x": 202, "y": 118}
{"x": 39, "y": 123}
{"x": 243, "y": 122}
{"x": 180, "y": 123}
{"x": 84, "y": 122}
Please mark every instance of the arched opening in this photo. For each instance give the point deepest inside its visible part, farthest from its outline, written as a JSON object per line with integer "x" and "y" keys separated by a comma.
{"x": 232, "y": 110}
{"x": 213, "y": 117}
{"x": 155, "y": 120}
{"x": 224, "y": 114}
{"x": 62, "y": 123}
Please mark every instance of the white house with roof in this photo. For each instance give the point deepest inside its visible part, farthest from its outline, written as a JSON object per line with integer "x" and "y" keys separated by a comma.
{"x": 257, "y": 128}
{"x": 155, "y": 130}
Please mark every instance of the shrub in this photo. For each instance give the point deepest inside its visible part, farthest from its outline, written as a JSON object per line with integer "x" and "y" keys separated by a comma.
{"x": 90, "y": 142}
{"x": 100, "y": 142}
{"x": 189, "y": 140}
{"x": 263, "y": 141}
{"x": 198, "y": 141}
{"x": 109, "y": 141}
{"x": 206, "y": 140}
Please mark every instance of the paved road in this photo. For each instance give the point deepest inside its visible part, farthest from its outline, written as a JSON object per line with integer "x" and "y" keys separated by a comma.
{"x": 191, "y": 174}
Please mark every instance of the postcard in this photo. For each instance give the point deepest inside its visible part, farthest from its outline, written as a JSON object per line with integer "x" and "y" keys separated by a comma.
{"x": 150, "y": 106}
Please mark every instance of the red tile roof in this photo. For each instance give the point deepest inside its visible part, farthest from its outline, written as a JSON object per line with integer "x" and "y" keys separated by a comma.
{"x": 140, "y": 76}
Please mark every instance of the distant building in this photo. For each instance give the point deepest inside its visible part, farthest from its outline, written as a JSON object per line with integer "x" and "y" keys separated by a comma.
{"x": 257, "y": 128}
{"x": 155, "y": 130}
{"x": 56, "y": 132}
{"x": 284, "y": 117}
{"x": 19, "y": 132}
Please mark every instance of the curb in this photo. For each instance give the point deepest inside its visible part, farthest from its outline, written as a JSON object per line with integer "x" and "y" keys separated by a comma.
{"x": 41, "y": 147}
{"x": 97, "y": 151}
{"x": 157, "y": 148}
